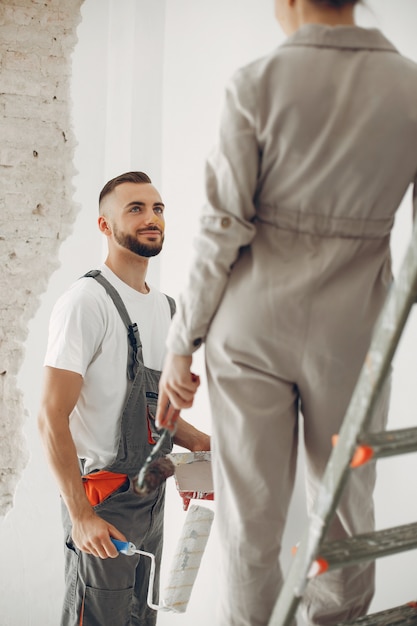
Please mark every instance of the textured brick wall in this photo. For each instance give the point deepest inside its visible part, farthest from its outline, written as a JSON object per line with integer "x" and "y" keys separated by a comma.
{"x": 36, "y": 208}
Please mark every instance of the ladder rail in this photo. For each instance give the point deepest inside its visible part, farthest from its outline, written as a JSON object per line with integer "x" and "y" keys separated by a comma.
{"x": 374, "y": 372}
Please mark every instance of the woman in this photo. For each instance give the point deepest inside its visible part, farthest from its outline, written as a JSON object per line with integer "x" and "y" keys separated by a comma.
{"x": 317, "y": 148}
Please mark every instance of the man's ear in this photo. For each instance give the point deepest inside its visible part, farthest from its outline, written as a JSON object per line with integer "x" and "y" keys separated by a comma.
{"x": 104, "y": 225}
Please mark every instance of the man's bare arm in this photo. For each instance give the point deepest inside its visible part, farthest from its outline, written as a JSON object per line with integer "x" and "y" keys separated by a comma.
{"x": 187, "y": 436}
{"x": 61, "y": 391}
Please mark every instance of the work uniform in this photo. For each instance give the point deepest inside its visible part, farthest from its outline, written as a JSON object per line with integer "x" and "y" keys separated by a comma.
{"x": 317, "y": 147}
{"x": 113, "y": 592}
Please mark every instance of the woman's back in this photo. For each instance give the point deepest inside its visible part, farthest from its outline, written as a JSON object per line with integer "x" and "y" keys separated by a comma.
{"x": 335, "y": 112}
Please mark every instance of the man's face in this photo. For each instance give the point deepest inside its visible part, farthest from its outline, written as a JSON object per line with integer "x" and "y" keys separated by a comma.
{"x": 135, "y": 213}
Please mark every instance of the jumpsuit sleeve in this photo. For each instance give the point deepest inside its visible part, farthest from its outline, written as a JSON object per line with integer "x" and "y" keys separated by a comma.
{"x": 226, "y": 222}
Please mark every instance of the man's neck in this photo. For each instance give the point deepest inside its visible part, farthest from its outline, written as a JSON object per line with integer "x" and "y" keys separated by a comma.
{"x": 131, "y": 270}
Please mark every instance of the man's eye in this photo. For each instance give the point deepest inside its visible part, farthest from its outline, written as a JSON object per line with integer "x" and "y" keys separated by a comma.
{"x": 159, "y": 210}
{"x": 135, "y": 209}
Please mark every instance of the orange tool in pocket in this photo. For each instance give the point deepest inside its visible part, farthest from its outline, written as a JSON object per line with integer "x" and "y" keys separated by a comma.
{"x": 100, "y": 485}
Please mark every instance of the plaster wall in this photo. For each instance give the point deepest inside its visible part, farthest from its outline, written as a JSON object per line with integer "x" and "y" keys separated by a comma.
{"x": 37, "y": 212}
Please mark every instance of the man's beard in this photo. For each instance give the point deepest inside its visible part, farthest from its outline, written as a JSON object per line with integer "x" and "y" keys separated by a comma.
{"x": 141, "y": 249}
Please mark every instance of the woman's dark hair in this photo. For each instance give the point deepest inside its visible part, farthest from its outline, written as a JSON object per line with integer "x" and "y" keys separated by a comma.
{"x": 335, "y": 4}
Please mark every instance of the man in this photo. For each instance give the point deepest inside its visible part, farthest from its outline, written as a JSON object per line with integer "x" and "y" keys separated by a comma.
{"x": 103, "y": 361}
{"x": 317, "y": 146}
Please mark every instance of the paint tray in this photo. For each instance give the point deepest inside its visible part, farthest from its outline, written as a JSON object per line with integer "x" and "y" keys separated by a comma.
{"x": 193, "y": 476}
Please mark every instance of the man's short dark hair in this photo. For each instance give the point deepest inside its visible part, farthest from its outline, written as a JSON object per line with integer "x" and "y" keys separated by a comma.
{"x": 128, "y": 177}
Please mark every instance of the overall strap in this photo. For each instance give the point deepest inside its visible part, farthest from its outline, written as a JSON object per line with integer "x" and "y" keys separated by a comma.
{"x": 172, "y": 305}
{"x": 135, "y": 345}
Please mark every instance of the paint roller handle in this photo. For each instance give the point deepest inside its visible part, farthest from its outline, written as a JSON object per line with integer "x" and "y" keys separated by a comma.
{"x": 124, "y": 547}
{"x": 129, "y": 548}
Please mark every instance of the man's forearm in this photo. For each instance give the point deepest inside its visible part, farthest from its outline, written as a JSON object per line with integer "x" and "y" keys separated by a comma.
{"x": 187, "y": 436}
{"x": 63, "y": 461}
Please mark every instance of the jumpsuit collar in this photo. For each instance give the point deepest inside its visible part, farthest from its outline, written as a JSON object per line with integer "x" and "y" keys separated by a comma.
{"x": 347, "y": 37}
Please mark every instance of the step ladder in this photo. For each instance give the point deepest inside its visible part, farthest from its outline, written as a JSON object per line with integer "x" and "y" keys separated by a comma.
{"x": 353, "y": 448}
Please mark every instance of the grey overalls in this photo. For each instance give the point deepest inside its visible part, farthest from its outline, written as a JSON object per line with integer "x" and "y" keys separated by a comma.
{"x": 112, "y": 592}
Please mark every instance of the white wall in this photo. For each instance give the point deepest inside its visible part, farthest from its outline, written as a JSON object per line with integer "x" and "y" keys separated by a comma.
{"x": 147, "y": 86}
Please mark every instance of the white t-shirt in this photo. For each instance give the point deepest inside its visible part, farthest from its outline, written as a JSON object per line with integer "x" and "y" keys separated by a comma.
{"x": 87, "y": 336}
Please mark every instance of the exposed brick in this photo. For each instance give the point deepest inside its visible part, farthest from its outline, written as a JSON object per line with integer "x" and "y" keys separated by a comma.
{"x": 21, "y": 61}
{"x": 19, "y": 38}
{"x": 36, "y": 208}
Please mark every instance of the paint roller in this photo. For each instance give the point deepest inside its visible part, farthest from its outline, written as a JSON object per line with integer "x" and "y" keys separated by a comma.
{"x": 185, "y": 564}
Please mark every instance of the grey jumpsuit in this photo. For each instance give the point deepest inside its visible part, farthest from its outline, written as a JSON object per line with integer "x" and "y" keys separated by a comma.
{"x": 112, "y": 592}
{"x": 317, "y": 147}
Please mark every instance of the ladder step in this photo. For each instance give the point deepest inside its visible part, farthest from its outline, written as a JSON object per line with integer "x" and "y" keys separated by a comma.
{"x": 366, "y": 547}
{"x": 391, "y": 442}
{"x": 405, "y": 615}
{"x": 372, "y": 446}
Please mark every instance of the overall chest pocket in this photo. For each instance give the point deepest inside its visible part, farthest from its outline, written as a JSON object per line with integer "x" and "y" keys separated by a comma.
{"x": 153, "y": 433}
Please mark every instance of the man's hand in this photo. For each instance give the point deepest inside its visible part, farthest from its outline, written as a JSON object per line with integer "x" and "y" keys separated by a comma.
{"x": 91, "y": 534}
{"x": 177, "y": 386}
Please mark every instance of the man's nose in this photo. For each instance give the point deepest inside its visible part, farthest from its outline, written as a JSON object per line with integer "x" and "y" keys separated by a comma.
{"x": 150, "y": 217}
